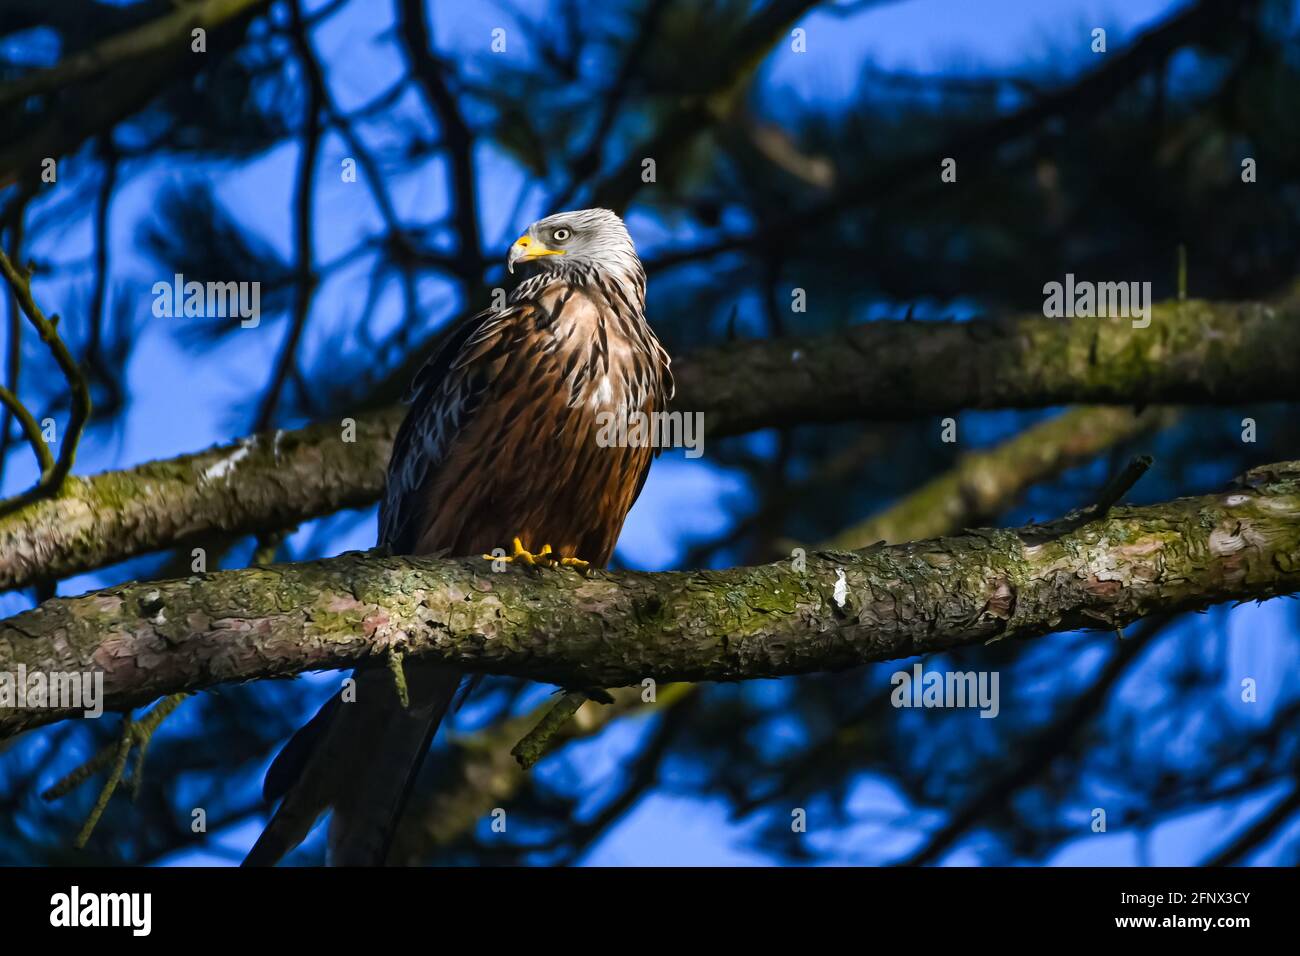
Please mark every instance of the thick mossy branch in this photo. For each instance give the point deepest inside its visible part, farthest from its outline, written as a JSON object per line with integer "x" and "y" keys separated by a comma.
{"x": 1192, "y": 352}
{"x": 272, "y": 480}
{"x": 834, "y": 611}
{"x": 980, "y": 484}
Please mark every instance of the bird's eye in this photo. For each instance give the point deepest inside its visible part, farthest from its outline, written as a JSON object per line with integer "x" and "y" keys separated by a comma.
{"x": 561, "y": 234}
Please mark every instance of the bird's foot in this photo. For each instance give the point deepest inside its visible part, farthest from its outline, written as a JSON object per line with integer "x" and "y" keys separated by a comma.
{"x": 546, "y": 558}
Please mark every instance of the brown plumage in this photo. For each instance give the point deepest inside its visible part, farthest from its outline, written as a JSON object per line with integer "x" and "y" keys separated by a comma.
{"x": 500, "y": 442}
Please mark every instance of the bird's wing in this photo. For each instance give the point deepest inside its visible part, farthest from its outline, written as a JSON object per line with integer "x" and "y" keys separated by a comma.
{"x": 444, "y": 396}
{"x": 317, "y": 769}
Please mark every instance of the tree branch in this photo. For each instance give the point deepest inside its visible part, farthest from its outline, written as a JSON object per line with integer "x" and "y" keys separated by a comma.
{"x": 587, "y": 163}
{"x": 1258, "y": 833}
{"x": 613, "y": 629}
{"x": 725, "y": 77}
{"x": 306, "y": 278}
{"x": 14, "y": 219}
{"x": 31, "y": 429}
{"x": 268, "y": 481}
{"x": 905, "y": 370}
{"x": 52, "y": 478}
{"x": 1036, "y": 751}
{"x": 140, "y": 64}
{"x": 985, "y": 483}
{"x": 428, "y": 70}
{"x": 145, "y": 40}
{"x": 1088, "y": 95}
{"x": 484, "y": 772}
{"x": 1192, "y": 352}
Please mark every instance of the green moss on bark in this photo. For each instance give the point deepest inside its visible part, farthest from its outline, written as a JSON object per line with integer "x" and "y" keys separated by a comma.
{"x": 607, "y": 630}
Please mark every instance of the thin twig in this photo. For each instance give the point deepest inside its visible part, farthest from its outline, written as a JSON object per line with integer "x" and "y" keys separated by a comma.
{"x": 428, "y": 69}
{"x": 51, "y": 480}
{"x": 15, "y": 218}
{"x": 305, "y": 277}
{"x": 106, "y": 792}
{"x": 398, "y": 236}
{"x": 93, "y": 357}
{"x": 537, "y": 741}
{"x": 399, "y": 677}
{"x": 1119, "y": 486}
{"x": 141, "y": 730}
{"x": 1085, "y": 96}
{"x": 31, "y": 429}
{"x": 1113, "y": 490}
{"x": 588, "y": 162}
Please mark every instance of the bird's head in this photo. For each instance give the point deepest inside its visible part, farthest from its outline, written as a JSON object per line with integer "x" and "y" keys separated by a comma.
{"x": 576, "y": 241}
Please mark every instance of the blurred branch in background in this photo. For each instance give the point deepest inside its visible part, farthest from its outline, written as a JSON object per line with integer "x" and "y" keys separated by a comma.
{"x": 12, "y": 220}
{"x": 167, "y": 32}
{"x": 986, "y": 483}
{"x": 305, "y": 276}
{"x": 1034, "y": 755}
{"x": 1259, "y": 832}
{"x": 128, "y": 71}
{"x": 977, "y": 146}
{"x": 482, "y": 771}
{"x": 719, "y": 86}
{"x": 430, "y": 72}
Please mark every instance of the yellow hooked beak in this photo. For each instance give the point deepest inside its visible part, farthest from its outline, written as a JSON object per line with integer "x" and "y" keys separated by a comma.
{"x": 526, "y": 249}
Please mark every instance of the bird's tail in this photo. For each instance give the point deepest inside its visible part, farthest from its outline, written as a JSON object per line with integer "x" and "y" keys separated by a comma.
{"x": 358, "y": 758}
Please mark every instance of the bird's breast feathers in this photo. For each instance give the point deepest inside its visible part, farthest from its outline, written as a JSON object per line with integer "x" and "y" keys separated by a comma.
{"x": 520, "y": 412}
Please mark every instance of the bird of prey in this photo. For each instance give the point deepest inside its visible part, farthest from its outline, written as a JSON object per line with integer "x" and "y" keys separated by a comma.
{"x": 499, "y": 449}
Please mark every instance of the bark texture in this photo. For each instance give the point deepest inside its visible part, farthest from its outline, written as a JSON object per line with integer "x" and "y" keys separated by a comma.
{"x": 1192, "y": 352}
{"x": 271, "y": 481}
{"x": 839, "y": 610}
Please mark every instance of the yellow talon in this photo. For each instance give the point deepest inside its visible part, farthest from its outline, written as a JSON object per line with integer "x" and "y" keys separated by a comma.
{"x": 546, "y": 557}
